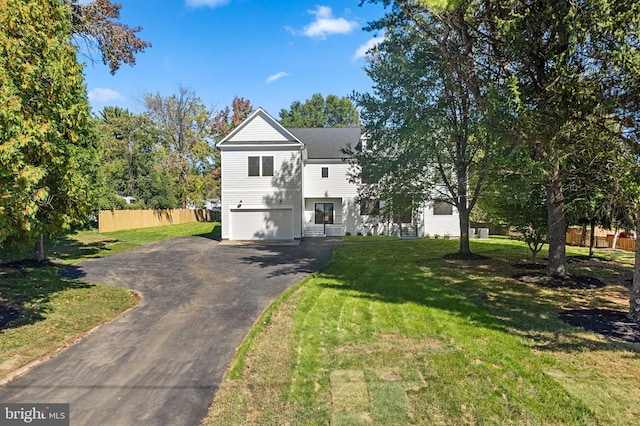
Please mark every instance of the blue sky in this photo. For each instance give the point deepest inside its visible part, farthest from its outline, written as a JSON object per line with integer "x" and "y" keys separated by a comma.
{"x": 270, "y": 52}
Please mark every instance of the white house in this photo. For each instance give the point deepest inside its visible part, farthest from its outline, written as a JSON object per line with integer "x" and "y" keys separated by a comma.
{"x": 284, "y": 184}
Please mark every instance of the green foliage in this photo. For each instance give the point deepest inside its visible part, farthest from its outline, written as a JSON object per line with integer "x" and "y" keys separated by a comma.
{"x": 517, "y": 198}
{"x": 46, "y": 147}
{"x": 572, "y": 76}
{"x": 430, "y": 134}
{"x": 320, "y": 112}
{"x": 130, "y": 163}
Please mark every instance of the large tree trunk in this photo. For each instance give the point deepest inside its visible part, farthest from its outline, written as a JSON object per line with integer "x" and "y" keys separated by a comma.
{"x": 592, "y": 235}
{"x": 39, "y": 248}
{"x": 464, "y": 232}
{"x": 634, "y": 296}
{"x": 557, "y": 227}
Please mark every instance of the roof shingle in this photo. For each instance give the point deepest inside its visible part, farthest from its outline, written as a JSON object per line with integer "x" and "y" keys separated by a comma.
{"x": 327, "y": 142}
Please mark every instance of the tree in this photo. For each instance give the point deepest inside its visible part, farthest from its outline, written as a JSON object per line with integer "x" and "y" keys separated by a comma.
{"x": 129, "y": 145}
{"x": 423, "y": 107}
{"x": 594, "y": 185}
{"x": 321, "y": 112}
{"x": 569, "y": 70}
{"x": 185, "y": 126}
{"x": 229, "y": 118}
{"x": 96, "y": 24}
{"x": 517, "y": 198}
{"x": 45, "y": 128}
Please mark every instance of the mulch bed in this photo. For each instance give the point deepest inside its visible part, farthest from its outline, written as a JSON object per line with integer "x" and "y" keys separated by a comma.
{"x": 610, "y": 323}
{"x": 578, "y": 282}
{"x": 460, "y": 256}
{"x": 607, "y": 322}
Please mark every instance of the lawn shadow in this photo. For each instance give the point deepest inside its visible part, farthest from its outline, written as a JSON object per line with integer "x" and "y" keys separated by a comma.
{"x": 25, "y": 296}
{"x": 480, "y": 291}
{"x": 215, "y": 234}
{"x": 69, "y": 249}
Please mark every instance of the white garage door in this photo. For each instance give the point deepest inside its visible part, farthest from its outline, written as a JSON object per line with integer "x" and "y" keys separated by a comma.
{"x": 263, "y": 224}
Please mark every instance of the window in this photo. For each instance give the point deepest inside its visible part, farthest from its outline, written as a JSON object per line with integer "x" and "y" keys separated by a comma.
{"x": 267, "y": 166}
{"x": 370, "y": 207}
{"x": 254, "y": 166}
{"x": 441, "y": 208}
{"x": 265, "y": 162}
{"x": 325, "y": 172}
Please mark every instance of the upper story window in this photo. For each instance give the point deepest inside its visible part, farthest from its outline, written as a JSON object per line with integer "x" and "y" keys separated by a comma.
{"x": 254, "y": 166}
{"x": 267, "y": 166}
{"x": 325, "y": 172}
{"x": 258, "y": 164}
{"x": 441, "y": 209}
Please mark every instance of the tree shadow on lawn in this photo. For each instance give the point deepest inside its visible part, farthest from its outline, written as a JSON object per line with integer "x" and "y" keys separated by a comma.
{"x": 482, "y": 292}
{"x": 25, "y": 293}
{"x": 69, "y": 249}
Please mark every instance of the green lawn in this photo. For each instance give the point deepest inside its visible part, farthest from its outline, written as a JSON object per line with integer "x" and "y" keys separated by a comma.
{"x": 84, "y": 245}
{"x": 391, "y": 333}
{"x": 47, "y": 312}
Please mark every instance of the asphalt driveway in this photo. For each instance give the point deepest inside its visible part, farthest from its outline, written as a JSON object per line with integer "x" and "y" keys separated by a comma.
{"x": 162, "y": 362}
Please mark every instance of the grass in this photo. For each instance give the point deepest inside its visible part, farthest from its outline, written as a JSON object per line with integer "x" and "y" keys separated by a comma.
{"x": 391, "y": 333}
{"x": 84, "y": 245}
{"x": 47, "y": 313}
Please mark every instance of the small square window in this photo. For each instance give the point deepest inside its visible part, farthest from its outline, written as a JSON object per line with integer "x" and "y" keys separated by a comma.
{"x": 267, "y": 166}
{"x": 254, "y": 166}
{"x": 325, "y": 172}
{"x": 442, "y": 209}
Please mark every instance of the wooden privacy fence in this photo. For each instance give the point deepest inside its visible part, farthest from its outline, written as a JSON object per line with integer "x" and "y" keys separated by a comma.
{"x": 603, "y": 240}
{"x": 118, "y": 220}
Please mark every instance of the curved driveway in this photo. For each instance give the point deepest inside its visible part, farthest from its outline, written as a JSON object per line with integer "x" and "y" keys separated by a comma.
{"x": 162, "y": 362}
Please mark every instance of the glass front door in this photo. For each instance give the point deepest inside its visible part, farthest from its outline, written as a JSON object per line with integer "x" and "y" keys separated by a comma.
{"x": 324, "y": 214}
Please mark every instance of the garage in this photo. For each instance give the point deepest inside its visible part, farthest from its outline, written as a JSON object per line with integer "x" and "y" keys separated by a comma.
{"x": 261, "y": 224}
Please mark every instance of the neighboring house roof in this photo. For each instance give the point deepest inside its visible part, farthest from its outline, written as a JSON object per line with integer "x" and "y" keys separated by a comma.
{"x": 327, "y": 142}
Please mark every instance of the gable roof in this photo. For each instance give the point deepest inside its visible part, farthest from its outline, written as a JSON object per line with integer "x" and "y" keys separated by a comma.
{"x": 259, "y": 129}
{"x": 325, "y": 142}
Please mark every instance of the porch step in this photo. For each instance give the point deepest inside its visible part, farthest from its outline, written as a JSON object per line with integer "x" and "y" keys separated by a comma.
{"x": 314, "y": 234}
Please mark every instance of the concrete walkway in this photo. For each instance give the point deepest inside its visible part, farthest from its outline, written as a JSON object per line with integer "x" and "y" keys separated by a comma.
{"x": 162, "y": 362}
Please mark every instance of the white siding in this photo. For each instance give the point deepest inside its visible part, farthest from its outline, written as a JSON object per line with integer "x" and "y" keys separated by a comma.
{"x": 337, "y": 185}
{"x": 440, "y": 224}
{"x": 259, "y": 192}
{"x": 260, "y": 130}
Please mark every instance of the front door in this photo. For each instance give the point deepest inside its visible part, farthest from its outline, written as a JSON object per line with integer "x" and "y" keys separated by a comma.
{"x": 324, "y": 215}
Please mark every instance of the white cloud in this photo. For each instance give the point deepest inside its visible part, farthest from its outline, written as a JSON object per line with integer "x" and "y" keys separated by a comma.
{"x": 276, "y": 76}
{"x": 100, "y": 94}
{"x": 362, "y": 51}
{"x": 326, "y": 24}
{"x": 206, "y": 3}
